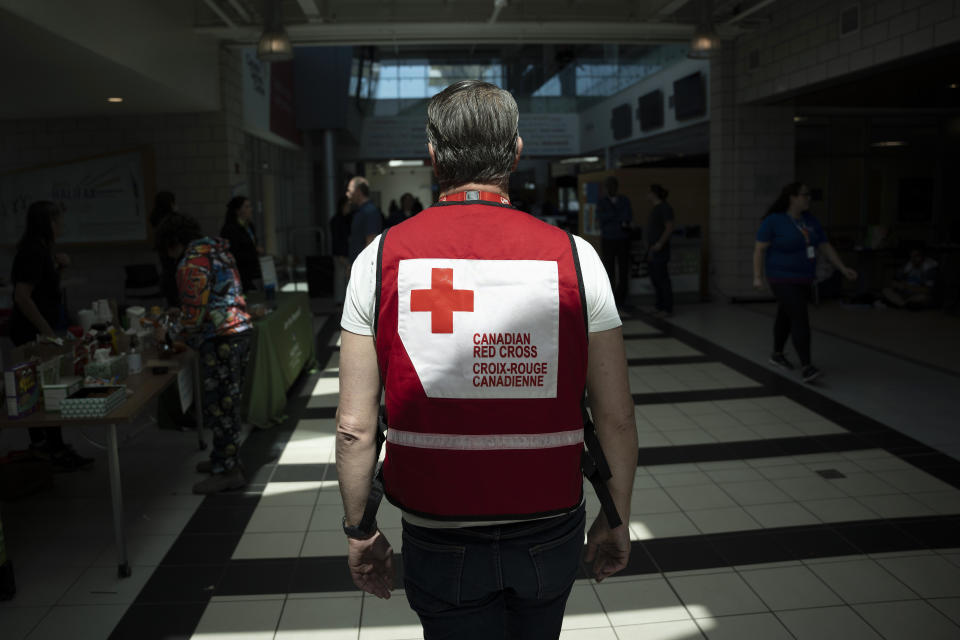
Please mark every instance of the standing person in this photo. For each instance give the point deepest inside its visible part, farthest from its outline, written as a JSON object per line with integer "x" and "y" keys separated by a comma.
{"x": 659, "y": 230}
{"x": 213, "y": 314}
{"x": 36, "y": 311}
{"x": 367, "y": 218}
{"x": 340, "y": 245}
{"x": 239, "y": 231}
{"x": 165, "y": 203}
{"x": 484, "y": 466}
{"x": 786, "y": 252}
{"x": 616, "y": 216}
{"x": 406, "y": 210}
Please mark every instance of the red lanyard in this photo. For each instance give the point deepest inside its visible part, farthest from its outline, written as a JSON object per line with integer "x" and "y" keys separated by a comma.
{"x": 475, "y": 196}
{"x": 802, "y": 228}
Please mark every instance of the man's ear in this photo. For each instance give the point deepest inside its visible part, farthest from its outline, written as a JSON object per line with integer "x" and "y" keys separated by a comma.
{"x": 516, "y": 160}
{"x": 433, "y": 158}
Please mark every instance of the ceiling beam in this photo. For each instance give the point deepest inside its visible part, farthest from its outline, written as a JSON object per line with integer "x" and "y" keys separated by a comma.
{"x": 426, "y": 33}
{"x": 310, "y": 9}
{"x": 744, "y": 14}
{"x": 213, "y": 6}
{"x": 671, "y": 7}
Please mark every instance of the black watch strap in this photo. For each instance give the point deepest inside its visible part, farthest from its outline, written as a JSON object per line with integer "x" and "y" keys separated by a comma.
{"x": 359, "y": 532}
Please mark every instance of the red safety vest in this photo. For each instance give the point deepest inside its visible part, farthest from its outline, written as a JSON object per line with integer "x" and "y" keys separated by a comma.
{"x": 481, "y": 340}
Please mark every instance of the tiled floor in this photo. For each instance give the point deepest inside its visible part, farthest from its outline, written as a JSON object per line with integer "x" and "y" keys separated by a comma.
{"x": 761, "y": 510}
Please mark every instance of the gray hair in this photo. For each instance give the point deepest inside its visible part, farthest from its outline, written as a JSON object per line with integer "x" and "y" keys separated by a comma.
{"x": 472, "y": 126}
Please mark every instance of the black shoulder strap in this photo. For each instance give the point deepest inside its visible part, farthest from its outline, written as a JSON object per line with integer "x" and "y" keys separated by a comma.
{"x": 376, "y": 304}
{"x": 592, "y": 460}
{"x": 583, "y": 295}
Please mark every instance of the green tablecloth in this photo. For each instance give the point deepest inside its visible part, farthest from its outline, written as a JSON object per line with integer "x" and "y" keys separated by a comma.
{"x": 283, "y": 343}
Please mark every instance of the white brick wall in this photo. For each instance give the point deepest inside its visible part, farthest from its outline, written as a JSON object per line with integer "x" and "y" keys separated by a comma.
{"x": 803, "y": 44}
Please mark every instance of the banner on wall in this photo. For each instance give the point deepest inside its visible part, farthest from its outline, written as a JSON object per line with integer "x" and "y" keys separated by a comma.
{"x": 268, "y": 99}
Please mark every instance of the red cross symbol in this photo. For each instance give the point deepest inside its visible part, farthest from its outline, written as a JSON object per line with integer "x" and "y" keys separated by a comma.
{"x": 441, "y": 300}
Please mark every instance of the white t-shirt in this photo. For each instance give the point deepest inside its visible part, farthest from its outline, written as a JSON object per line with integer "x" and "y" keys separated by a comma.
{"x": 359, "y": 306}
{"x": 359, "y": 311}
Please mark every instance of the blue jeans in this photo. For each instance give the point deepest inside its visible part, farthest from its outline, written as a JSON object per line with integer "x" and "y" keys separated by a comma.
{"x": 495, "y": 582}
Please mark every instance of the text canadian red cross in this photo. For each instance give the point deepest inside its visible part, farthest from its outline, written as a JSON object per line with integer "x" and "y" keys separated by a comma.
{"x": 441, "y": 300}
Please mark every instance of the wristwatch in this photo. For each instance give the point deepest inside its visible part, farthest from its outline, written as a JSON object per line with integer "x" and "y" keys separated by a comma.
{"x": 359, "y": 532}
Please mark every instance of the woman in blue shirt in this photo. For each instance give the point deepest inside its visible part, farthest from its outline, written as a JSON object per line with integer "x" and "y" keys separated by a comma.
{"x": 786, "y": 251}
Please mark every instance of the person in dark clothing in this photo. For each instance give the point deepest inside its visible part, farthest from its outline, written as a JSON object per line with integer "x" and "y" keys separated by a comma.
{"x": 659, "y": 229}
{"x": 615, "y": 216}
{"x": 164, "y": 204}
{"x": 36, "y": 311}
{"x": 238, "y": 230}
{"x": 367, "y": 219}
{"x": 340, "y": 241}
{"x": 407, "y": 209}
{"x": 786, "y": 251}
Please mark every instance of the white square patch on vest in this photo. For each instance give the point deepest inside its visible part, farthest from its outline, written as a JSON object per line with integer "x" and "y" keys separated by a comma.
{"x": 481, "y": 328}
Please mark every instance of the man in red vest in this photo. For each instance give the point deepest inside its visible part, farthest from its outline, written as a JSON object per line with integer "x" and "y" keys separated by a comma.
{"x": 483, "y": 327}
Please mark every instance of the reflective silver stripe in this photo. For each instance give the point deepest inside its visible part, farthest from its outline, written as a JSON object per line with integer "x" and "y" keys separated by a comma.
{"x": 495, "y": 442}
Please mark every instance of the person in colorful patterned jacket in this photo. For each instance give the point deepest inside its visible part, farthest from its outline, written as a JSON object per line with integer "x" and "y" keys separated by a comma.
{"x": 213, "y": 315}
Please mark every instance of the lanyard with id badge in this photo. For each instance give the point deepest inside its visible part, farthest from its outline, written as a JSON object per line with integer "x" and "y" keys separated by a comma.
{"x": 811, "y": 251}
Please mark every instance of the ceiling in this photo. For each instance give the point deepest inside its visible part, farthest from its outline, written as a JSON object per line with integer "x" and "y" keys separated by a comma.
{"x": 161, "y": 56}
{"x": 467, "y": 23}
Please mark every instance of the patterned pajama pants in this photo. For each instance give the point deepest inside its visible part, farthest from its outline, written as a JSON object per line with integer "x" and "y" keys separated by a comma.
{"x": 223, "y": 367}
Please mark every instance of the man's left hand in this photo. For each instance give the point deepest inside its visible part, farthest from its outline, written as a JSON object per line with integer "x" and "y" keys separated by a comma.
{"x": 371, "y": 564}
{"x": 849, "y": 273}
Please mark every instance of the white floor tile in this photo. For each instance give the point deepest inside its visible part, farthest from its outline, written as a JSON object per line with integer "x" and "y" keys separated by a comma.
{"x": 811, "y": 487}
{"x": 784, "y": 588}
{"x": 828, "y": 623}
{"x": 639, "y": 602}
{"x": 930, "y": 576}
{"x": 781, "y": 515}
{"x": 584, "y": 610}
{"x": 102, "y": 585}
{"x": 78, "y": 622}
{"x": 661, "y": 525}
{"x": 720, "y": 520}
{"x": 600, "y": 633}
{"x": 896, "y": 506}
{"x": 863, "y": 484}
{"x": 305, "y": 455}
{"x": 17, "y": 622}
{"x": 329, "y": 517}
{"x": 644, "y": 501}
{"x": 759, "y": 626}
{"x": 862, "y": 580}
{"x": 908, "y": 621}
{"x": 290, "y": 494}
{"x": 706, "y": 496}
{"x": 279, "y": 519}
{"x": 755, "y": 492}
{"x": 327, "y": 543}
{"x": 142, "y": 550}
{"x": 248, "y": 620}
{"x": 949, "y": 607}
{"x": 42, "y": 586}
{"x": 838, "y": 510}
{"x": 389, "y": 619}
{"x": 674, "y": 630}
{"x": 717, "y": 594}
{"x": 269, "y": 545}
{"x": 943, "y": 502}
{"x": 320, "y": 618}
{"x": 326, "y": 393}
{"x": 684, "y": 479}
{"x": 160, "y": 522}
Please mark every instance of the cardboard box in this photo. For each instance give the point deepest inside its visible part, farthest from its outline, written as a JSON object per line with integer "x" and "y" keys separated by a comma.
{"x": 92, "y": 402}
{"x": 54, "y": 394}
{"x": 22, "y": 389}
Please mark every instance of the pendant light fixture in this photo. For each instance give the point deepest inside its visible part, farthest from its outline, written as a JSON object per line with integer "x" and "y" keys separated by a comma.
{"x": 705, "y": 41}
{"x": 274, "y": 44}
